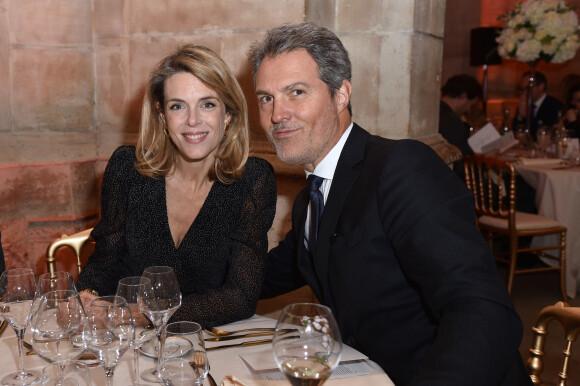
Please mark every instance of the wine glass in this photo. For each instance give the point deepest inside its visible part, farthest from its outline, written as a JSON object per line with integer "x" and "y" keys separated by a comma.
{"x": 17, "y": 287}
{"x": 158, "y": 299}
{"x": 306, "y": 343}
{"x": 60, "y": 280}
{"x": 76, "y": 373}
{"x": 183, "y": 359}
{"x": 128, "y": 288}
{"x": 56, "y": 325}
{"x": 109, "y": 331}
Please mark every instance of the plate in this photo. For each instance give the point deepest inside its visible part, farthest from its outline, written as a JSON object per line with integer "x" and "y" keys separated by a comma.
{"x": 175, "y": 347}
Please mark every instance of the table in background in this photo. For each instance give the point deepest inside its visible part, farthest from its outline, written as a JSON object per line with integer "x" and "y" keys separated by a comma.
{"x": 222, "y": 362}
{"x": 558, "y": 197}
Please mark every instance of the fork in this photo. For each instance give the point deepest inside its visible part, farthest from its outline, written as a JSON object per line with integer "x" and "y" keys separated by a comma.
{"x": 199, "y": 361}
{"x": 217, "y": 332}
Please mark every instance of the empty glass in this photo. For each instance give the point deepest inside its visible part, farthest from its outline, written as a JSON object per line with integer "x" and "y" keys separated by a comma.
{"x": 17, "y": 287}
{"x": 183, "y": 359}
{"x": 75, "y": 373}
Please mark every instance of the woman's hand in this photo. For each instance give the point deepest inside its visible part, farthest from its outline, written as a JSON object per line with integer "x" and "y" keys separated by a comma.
{"x": 86, "y": 299}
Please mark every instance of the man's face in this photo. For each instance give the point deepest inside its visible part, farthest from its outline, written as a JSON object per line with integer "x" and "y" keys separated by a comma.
{"x": 537, "y": 90}
{"x": 297, "y": 112}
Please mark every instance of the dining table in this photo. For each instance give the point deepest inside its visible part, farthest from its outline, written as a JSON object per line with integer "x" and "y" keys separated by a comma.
{"x": 240, "y": 365}
{"x": 557, "y": 196}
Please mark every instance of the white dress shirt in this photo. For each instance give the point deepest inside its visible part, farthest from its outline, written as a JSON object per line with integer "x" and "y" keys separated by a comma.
{"x": 326, "y": 169}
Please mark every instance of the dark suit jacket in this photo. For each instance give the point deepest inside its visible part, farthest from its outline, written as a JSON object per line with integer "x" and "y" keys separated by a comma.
{"x": 411, "y": 281}
{"x": 547, "y": 115}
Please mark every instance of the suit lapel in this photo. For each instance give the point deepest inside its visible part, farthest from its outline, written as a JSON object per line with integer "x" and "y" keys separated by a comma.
{"x": 344, "y": 178}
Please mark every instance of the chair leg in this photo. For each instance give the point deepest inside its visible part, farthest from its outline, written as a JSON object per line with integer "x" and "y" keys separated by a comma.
{"x": 513, "y": 262}
{"x": 563, "y": 266}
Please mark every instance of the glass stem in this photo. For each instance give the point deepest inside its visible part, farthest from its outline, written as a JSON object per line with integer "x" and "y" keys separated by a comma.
{"x": 159, "y": 349}
{"x": 136, "y": 365}
{"x": 109, "y": 375}
{"x": 20, "y": 336}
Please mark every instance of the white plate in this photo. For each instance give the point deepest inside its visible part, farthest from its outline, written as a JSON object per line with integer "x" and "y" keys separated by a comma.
{"x": 175, "y": 346}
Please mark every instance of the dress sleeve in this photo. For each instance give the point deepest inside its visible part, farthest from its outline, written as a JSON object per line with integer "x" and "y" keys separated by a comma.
{"x": 238, "y": 295}
{"x": 101, "y": 272}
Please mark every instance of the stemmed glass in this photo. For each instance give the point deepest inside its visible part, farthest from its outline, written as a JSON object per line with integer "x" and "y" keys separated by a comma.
{"x": 128, "y": 288}
{"x": 47, "y": 282}
{"x": 158, "y": 300}
{"x": 17, "y": 288}
{"x": 183, "y": 359}
{"x": 109, "y": 331}
{"x": 311, "y": 350}
{"x": 59, "y": 317}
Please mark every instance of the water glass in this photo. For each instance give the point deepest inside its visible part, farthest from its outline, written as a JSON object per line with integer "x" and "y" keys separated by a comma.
{"x": 66, "y": 373}
{"x": 183, "y": 359}
{"x": 17, "y": 288}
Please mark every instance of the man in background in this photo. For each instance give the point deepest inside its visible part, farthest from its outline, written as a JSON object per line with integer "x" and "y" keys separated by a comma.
{"x": 545, "y": 108}
{"x": 459, "y": 94}
{"x": 385, "y": 232}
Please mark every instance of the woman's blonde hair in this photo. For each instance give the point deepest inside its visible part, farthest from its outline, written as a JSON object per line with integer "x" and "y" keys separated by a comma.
{"x": 156, "y": 154}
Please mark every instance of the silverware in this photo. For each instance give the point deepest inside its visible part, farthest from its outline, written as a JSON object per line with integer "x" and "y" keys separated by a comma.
{"x": 217, "y": 332}
{"x": 3, "y": 326}
{"x": 230, "y": 337}
{"x": 243, "y": 344}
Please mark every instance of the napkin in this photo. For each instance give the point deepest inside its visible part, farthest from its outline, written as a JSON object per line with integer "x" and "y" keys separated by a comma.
{"x": 363, "y": 380}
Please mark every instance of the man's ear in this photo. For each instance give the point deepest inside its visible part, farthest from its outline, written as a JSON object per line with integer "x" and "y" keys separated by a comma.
{"x": 342, "y": 96}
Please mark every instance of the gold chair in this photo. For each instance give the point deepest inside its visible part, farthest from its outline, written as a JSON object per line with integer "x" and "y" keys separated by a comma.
{"x": 493, "y": 184}
{"x": 569, "y": 317}
{"x": 75, "y": 242}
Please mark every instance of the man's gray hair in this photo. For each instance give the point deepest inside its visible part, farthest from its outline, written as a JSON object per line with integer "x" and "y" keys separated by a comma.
{"x": 323, "y": 46}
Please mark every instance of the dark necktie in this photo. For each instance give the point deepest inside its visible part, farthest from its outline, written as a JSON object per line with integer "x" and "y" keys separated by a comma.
{"x": 316, "y": 208}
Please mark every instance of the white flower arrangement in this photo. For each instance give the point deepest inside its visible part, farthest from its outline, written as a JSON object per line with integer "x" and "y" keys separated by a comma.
{"x": 539, "y": 30}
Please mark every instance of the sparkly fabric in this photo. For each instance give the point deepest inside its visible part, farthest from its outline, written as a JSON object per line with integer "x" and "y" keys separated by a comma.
{"x": 219, "y": 263}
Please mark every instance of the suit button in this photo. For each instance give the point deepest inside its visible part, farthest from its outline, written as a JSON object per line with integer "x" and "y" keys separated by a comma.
{"x": 351, "y": 342}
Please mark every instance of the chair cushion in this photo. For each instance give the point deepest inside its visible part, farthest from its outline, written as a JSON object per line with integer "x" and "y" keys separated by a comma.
{"x": 524, "y": 221}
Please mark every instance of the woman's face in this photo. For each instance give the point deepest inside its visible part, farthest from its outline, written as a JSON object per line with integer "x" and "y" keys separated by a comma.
{"x": 195, "y": 117}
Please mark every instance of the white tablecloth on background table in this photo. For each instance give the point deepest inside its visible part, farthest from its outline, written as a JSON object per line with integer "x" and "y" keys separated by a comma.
{"x": 558, "y": 197}
{"x": 223, "y": 362}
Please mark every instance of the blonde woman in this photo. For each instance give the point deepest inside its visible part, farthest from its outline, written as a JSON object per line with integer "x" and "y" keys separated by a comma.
{"x": 188, "y": 196}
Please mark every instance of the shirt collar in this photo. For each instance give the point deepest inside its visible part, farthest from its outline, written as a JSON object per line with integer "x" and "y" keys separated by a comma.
{"x": 327, "y": 166}
{"x": 539, "y": 102}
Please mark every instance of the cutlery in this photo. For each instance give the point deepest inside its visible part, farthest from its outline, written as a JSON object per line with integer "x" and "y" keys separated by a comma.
{"x": 217, "y": 332}
{"x": 243, "y": 344}
{"x": 3, "y": 326}
{"x": 230, "y": 337}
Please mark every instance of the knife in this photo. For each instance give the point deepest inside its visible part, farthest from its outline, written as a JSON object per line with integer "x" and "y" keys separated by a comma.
{"x": 230, "y": 337}
{"x": 3, "y": 326}
{"x": 243, "y": 344}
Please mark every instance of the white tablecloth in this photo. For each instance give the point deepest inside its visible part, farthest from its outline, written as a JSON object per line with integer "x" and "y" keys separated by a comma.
{"x": 223, "y": 362}
{"x": 558, "y": 197}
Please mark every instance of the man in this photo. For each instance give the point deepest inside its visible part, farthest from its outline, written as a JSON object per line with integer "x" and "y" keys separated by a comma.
{"x": 545, "y": 108}
{"x": 459, "y": 94}
{"x": 397, "y": 256}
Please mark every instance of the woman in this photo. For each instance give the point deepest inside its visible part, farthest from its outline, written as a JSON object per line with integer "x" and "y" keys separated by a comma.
{"x": 188, "y": 196}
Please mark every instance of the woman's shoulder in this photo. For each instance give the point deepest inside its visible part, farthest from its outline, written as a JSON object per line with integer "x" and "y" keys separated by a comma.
{"x": 122, "y": 160}
{"x": 258, "y": 165}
